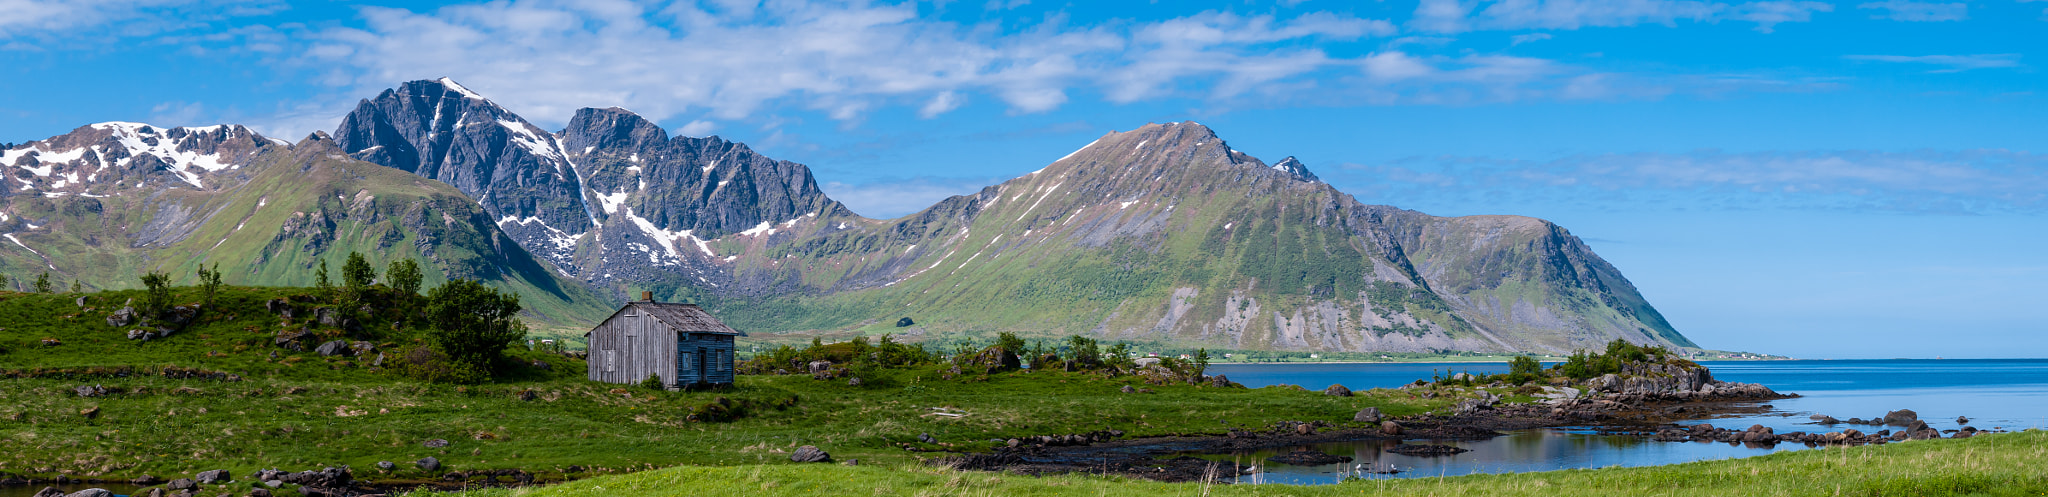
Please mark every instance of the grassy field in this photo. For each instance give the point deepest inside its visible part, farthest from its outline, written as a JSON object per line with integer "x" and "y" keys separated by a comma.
{"x": 2005, "y": 464}
{"x": 297, "y": 410}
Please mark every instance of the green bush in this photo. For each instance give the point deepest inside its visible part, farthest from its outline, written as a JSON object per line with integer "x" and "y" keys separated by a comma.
{"x": 653, "y": 382}
{"x": 403, "y": 276}
{"x": 473, "y": 324}
{"x": 156, "y": 300}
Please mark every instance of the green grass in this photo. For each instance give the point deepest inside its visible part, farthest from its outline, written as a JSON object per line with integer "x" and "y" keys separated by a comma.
{"x": 301, "y": 410}
{"x": 2005, "y": 464}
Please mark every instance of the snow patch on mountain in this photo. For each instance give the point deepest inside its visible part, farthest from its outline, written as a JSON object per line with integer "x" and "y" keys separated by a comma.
{"x": 452, "y": 85}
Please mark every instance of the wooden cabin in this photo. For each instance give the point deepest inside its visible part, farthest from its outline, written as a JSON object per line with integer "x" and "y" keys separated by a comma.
{"x": 681, "y": 343}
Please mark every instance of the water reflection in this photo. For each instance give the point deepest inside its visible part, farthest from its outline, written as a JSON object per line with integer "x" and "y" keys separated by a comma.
{"x": 1519, "y": 451}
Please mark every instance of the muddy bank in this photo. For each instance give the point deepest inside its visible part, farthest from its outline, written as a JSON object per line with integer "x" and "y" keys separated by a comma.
{"x": 1158, "y": 458}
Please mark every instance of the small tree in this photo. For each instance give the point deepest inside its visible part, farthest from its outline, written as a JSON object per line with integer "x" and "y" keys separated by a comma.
{"x": 43, "y": 283}
{"x": 1084, "y": 350}
{"x": 473, "y": 324}
{"x": 1009, "y": 341}
{"x": 403, "y": 276}
{"x": 324, "y": 286}
{"x": 1201, "y": 361}
{"x": 76, "y": 288}
{"x": 157, "y": 298}
{"x": 209, "y": 284}
{"x": 357, "y": 273}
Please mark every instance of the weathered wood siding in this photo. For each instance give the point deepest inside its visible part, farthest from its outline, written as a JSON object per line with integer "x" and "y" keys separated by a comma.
{"x": 704, "y": 358}
{"x": 631, "y": 345}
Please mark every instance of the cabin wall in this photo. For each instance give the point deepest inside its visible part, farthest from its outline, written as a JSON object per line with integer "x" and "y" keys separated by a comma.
{"x": 704, "y": 358}
{"x": 631, "y": 345}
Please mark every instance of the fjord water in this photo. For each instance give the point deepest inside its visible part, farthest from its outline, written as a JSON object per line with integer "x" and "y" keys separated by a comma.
{"x": 2009, "y": 394}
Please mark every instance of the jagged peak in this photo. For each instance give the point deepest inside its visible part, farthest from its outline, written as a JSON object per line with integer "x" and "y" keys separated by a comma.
{"x": 450, "y": 84}
{"x": 1291, "y": 165}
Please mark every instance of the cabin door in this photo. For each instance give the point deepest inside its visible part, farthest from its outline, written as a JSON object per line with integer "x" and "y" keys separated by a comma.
{"x": 702, "y": 371}
{"x": 633, "y": 358}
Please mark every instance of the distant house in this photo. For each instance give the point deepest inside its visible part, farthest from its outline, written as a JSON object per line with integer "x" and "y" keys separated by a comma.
{"x": 680, "y": 343}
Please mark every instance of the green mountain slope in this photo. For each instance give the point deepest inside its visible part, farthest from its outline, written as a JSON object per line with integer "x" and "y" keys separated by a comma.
{"x": 1167, "y": 234}
{"x": 267, "y": 220}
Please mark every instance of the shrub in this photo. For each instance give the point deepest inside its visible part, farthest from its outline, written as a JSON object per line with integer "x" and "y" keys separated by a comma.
{"x": 1201, "y": 362}
{"x": 156, "y": 299}
{"x": 43, "y": 283}
{"x": 1009, "y": 341}
{"x": 209, "y": 284}
{"x": 473, "y": 324}
{"x": 403, "y": 276}
{"x": 321, "y": 284}
{"x": 1084, "y": 351}
{"x": 653, "y": 382}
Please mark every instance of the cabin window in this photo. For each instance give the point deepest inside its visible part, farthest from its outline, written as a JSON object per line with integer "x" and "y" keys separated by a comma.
{"x": 686, "y": 361}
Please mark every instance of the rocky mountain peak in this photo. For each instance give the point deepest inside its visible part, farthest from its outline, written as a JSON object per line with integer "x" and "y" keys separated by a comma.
{"x": 100, "y": 152}
{"x": 1293, "y": 166}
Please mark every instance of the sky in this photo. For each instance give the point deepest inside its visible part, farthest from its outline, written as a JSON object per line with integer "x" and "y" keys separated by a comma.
{"x": 1851, "y": 179}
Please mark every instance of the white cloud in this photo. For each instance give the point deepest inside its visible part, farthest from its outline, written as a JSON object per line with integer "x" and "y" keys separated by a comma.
{"x": 697, "y": 128}
{"x": 1528, "y": 38}
{"x": 1767, "y": 15}
{"x": 36, "y": 18}
{"x": 1949, "y": 63}
{"x": 545, "y": 58}
{"x": 1906, "y": 10}
{"x": 1452, "y": 16}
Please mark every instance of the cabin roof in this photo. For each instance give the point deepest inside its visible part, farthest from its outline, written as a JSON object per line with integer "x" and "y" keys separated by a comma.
{"x": 683, "y": 318}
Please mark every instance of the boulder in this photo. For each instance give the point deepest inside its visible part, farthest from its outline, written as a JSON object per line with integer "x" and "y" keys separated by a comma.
{"x": 1824, "y": 419}
{"x": 123, "y": 317}
{"x": 327, "y": 316}
{"x": 332, "y": 348}
{"x": 81, "y": 301}
{"x": 280, "y": 307}
{"x": 436, "y": 443}
{"x": 260, "y": 492}
{"x": 1962, "y": 420}
{"x": 1219, "y": 381}
{"x": 853, "y": 382}
{"x": 1367, "y": 415}
{"x": 386, "y": 465}
{"x": 145, "y": 480}
{"x": 927, "y": 438}
{"x": 212, "y": 477}
{"x": 1337, "y": 391}
{"x": 905, "y": 322}
{"x": 1901, "y": 417}
{"x": 91, "y": 492}
{"x": 90, "y": 390}
{"x": 1128, "y": 389}
{"x": 809, "y": 453}
{"x": 818, "y": 368}
{"x": 1390, "y": 428}
{"x": 50, "y": 492}
{"x": 1146, "y": 361}
{"x": 428, "y": 464}
{"x": 182, "y": 484}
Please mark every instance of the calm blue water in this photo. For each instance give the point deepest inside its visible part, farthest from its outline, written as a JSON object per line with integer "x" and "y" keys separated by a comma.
{"x": 2009, "y": 394}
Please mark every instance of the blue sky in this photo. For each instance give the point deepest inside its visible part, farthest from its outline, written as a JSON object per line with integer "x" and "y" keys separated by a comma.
{"x": 1820, "y": 179}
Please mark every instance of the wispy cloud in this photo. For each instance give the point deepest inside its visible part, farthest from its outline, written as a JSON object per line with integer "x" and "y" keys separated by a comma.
{"x": 1948, "y": 63}
{"x": 26, "y": 24}
{"x": 546, "y": 58}
{"x": 1970, "y": 182}
{"x": 1907, "y": 10}
{"x": 1452, "y": 16}
{"x": 1528, "y": 38}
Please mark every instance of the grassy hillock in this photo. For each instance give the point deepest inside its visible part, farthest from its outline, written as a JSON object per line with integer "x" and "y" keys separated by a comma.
{"x": 293, "y": 409}
{"x": 1991, "y": 465}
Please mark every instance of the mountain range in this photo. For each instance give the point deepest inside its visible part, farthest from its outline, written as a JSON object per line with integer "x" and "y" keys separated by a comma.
{"x": 1160, "y": 234}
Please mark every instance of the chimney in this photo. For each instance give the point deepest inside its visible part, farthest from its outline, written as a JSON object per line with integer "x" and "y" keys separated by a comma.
{"x": 647, "y": 296}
